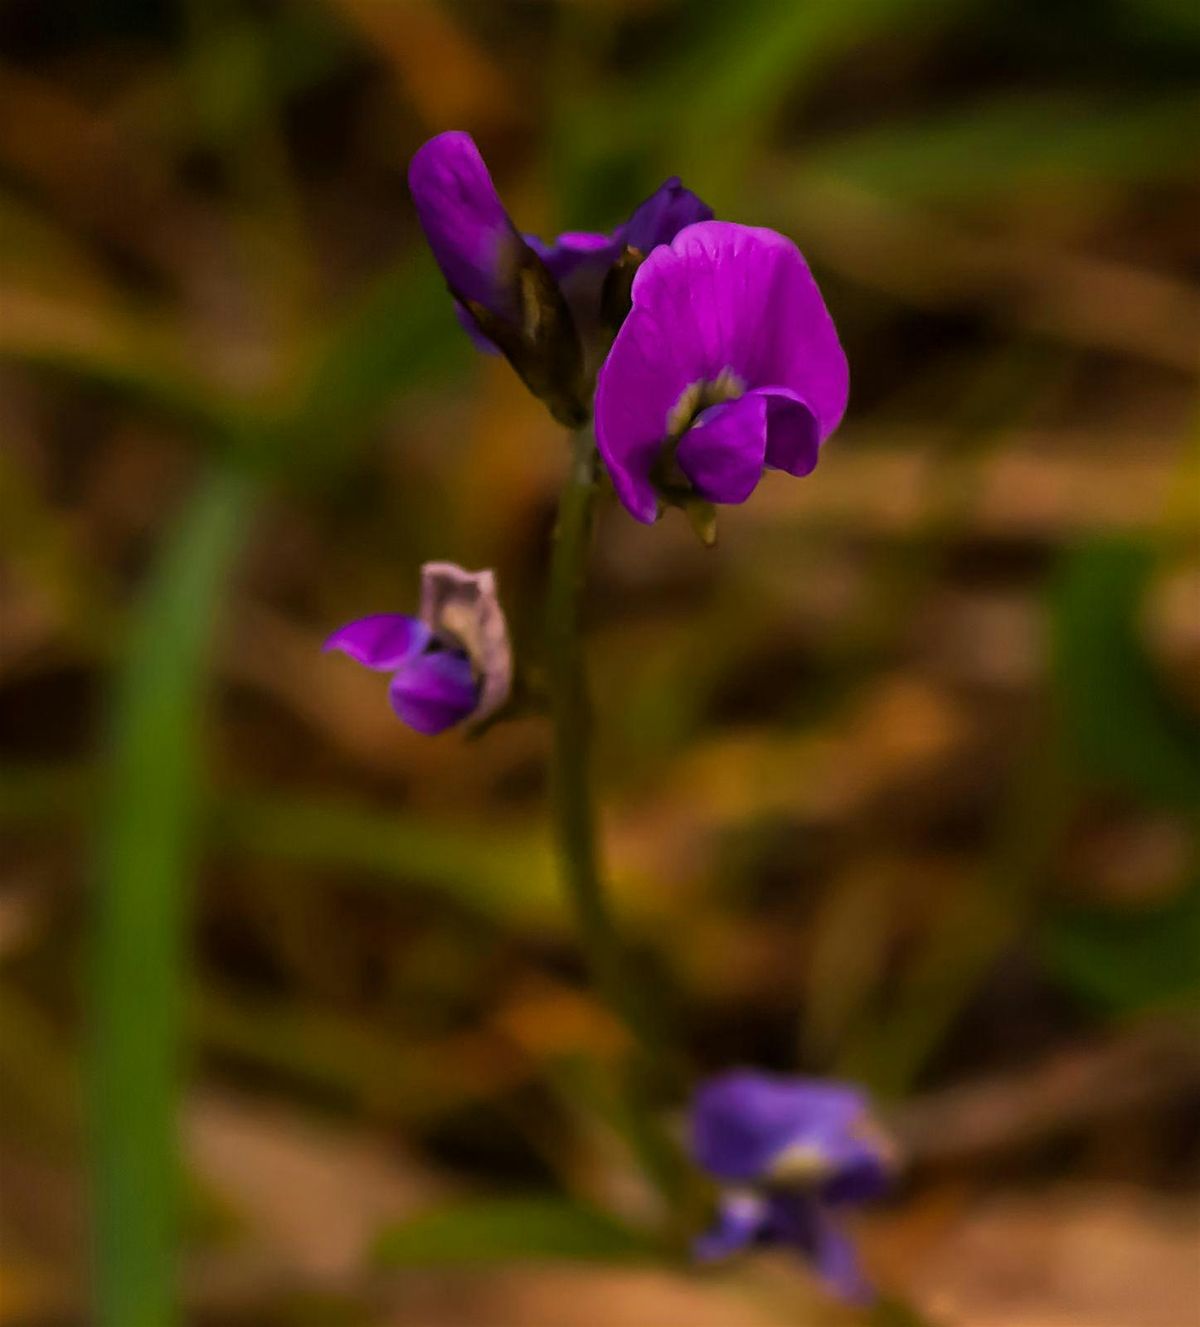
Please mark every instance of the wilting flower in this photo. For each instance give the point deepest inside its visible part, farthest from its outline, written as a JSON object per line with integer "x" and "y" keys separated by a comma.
{"x": 728, "y": 363}
{"x": 792, "y": 1151}
{"x": 451, "y": 663}
{"x": 530, "y": 299}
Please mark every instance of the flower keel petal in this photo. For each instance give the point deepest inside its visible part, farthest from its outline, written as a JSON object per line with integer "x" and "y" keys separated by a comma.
{"x": 434, "y": 691}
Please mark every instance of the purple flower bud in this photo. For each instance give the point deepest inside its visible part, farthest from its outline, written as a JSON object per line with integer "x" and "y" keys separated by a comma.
{"x": 728, "y": 363}
{"x": 792, "y": 1150}
{"x": 452, "y": 663}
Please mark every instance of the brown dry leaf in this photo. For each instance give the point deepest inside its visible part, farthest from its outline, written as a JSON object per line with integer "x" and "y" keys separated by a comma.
{"x": 312, "y": 1197}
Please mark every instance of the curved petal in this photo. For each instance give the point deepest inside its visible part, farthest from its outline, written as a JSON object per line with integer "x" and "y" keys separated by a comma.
{"x": 383, "y": 641}
{"x": 472, "y": 238}
{"x": 747, "y": 1125}
{"x": 663, "y": 215}
{"x": 742, "y": 1220}
{"x": 720, "y": 298}
{"x": 434, "y": 691}
{"x": 724, "y": 450}
{"x": 793, "y": 434}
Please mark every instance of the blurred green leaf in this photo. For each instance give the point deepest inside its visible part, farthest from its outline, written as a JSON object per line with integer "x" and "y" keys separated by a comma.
{"x": 1125, "y": 961}
{"x": 504, "y": 1229}
{"x": 504, "y": 874}
{"x": 399, "y": 333}
{"x": 145, "y": 861}
{"x": 1125, "y": 729}
{"x": 1000, "y": 146}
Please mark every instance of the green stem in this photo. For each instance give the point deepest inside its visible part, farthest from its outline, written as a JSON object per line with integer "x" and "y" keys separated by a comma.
{"x": 574, "y": 819}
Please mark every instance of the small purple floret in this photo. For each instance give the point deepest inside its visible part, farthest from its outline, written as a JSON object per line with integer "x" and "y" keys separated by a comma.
{"x": 453, "y": 663}
{"x": 432, "y": 687}
{"x": 721, "y": 314}
{"x": 791, "y": 1152}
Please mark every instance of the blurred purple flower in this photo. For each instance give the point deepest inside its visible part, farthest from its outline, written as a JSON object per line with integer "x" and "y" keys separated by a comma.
{"x": 792, "y": 1150}
{"x": 728, "y": 363}
{"x": 452, "y": 663}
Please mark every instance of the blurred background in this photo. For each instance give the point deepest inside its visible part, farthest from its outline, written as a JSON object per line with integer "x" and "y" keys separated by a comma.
{"x": 900, "y": 781}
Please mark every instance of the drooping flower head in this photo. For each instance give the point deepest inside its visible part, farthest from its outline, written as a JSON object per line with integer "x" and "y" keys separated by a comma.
{"x": 450, "y": 664}
{"x": 791, "y": 1151}
{"x": 536, "y": 302}
{"x": 727, "y": 364}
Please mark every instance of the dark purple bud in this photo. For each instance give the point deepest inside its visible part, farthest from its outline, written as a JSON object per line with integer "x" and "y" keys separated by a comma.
{"x": 505, "y": 288}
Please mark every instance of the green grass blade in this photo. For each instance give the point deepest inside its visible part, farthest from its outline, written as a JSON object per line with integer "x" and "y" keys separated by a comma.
{"x": 145, "y": 856}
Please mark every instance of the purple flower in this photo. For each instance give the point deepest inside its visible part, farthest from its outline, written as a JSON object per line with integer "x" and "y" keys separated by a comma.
{"x": 728, "y": 363}
{"x": 791, "y": 1151}
{"x": 451, "y": 663}
{"x": 517, "y": 294}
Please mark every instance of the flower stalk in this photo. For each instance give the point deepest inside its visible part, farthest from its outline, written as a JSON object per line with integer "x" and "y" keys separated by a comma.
{"x": 575, "y": 822}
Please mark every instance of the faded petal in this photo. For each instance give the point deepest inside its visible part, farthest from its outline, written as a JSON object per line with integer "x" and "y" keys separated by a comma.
{"x": 720, "y": 299}
{"x": 724, "y": 450}
{"x": 663, "y": 215}
{"x": 383, "y": 641}
{"x": 472, "y": 238}
{"x": 434, "y": 691}
{"x": 464, "y": 606}
{"x": 747, "y": 1125}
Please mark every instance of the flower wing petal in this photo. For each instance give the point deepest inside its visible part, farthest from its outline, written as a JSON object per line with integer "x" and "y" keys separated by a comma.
{"x": 382, "y": 641}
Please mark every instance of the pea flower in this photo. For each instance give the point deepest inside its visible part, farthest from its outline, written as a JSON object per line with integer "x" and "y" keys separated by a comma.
{"x": 451, "y": 663}
{"x": 536, "y": 302}
{"x": 727, "y": 364}
{"x": 792, "y": 1151}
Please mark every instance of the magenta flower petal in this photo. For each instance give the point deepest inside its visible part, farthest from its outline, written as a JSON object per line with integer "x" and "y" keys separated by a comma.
{"x": 724, "y": 450}
{"x": 472, "y": 238}
{"x": 383, "y": 641}
{"x": 434, "y": 691}
{"x": 724, "y": 308}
